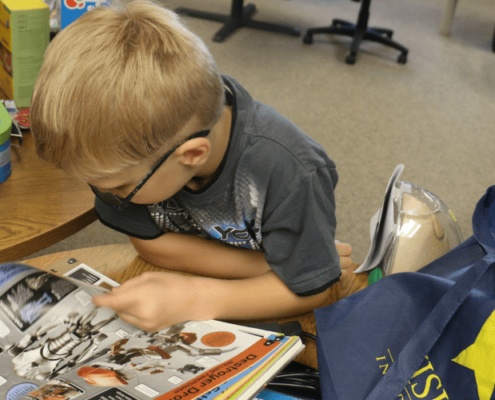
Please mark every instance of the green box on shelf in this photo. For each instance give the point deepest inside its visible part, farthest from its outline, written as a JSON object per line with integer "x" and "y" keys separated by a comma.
{"x": 24, "y": 37}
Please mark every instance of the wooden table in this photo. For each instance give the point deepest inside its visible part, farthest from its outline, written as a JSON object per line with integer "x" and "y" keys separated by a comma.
{"x": 39, "y": 205}
{"x": 120, "y": 262}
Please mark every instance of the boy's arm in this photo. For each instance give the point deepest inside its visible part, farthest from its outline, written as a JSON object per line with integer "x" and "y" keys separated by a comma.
{"x": 157, "y": 300}
{"x": 196, "y": 255}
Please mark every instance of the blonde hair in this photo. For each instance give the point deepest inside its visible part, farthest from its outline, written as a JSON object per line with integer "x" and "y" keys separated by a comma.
{"x": 118, "y": 84}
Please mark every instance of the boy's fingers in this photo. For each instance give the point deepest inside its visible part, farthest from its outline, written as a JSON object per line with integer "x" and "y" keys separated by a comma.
{"x": 102, "y": 300}
{"x": 343, "y": 249}
{"x": 113, "y": 301}
{"x": 345, "y": 262}
{"x": 129, "y": 318}
{"x": 149, "y": 326}
{"x": 130, "y": 284}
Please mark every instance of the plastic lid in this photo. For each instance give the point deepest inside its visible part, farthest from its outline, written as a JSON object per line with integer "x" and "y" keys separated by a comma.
{"x": 426, "y": 229}
{"x": 5, "y": 124}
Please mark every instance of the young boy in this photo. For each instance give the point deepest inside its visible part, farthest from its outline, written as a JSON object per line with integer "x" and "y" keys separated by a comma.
{"x": 201, "y": 177}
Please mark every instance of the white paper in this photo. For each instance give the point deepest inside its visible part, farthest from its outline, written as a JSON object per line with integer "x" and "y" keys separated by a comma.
{"x": 382, "y": 226}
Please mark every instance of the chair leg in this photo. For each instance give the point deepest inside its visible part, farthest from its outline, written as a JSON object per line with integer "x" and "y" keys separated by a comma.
{"x": 377, "y": 37}
{"x": 346, "y": 31}
{"x": 341, "y": 22}
{"x": 356, "y": 42}
{"x": 239, "y": 17}
{"x": 232, "y": 23}
{"x": 382, "y": 31}
{"x": 448, "y": 16}
{"x": 359, "y": 32}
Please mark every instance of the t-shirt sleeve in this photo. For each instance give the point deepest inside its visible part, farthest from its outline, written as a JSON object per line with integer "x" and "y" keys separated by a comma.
{"x": 299, "y": 235}
{"x": 135, "y": 220}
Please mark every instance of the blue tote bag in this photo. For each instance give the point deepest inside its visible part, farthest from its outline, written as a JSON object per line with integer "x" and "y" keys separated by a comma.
{"x": 423, "y": 335}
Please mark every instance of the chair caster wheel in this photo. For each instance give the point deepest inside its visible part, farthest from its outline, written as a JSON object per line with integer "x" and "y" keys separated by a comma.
{"x": 402, "y": 58}
{"x": 351, "y": 59}
{"x": 307, "y": 39}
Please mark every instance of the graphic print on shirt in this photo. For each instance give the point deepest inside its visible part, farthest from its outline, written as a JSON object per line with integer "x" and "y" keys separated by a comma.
{"x": 171, "y": 217}
{"x": 232, "y": 217}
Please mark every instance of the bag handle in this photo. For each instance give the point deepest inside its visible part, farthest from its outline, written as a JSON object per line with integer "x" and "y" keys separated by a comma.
{"x": 418, "y": 347}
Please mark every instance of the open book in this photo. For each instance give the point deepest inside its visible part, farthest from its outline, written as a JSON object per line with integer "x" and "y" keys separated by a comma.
{"x": 55, "y": 344}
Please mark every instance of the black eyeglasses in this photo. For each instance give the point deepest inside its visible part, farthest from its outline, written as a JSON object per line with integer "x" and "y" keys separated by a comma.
{"x": 120, "y": 203}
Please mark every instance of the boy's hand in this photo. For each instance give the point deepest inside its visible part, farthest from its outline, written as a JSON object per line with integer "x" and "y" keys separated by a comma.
{"x": 344, "y": 251}
{"x": 349, "y": 281}
{"x": 156, "y": 300}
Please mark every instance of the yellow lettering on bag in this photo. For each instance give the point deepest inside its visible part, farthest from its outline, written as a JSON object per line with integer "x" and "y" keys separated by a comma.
{"x": 385, "y": 363}
{"x": 428, "y": 383}
{"x": 420, "y": 371}
{"x": 384, "y": 367}
{"x": 442, "y": 396}
{"x": 427, "y": 386}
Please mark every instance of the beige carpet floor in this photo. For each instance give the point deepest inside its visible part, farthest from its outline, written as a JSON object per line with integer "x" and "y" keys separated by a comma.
{"x": 435, "y": 115}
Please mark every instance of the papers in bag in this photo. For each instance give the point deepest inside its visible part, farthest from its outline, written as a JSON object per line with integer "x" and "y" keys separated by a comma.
{"x": 382, "y": 226}
{"x": 55, "y": 342}
{"x": 412, "y": 228}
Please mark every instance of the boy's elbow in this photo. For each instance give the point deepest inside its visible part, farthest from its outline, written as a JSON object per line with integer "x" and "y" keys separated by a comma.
{"x": 324, "y": 298}
{"x": 154, "y": 252}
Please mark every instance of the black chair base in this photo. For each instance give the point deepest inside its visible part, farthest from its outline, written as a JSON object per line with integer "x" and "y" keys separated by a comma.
{"x": 239, "y": 17}
{"x": 359, "y": 32}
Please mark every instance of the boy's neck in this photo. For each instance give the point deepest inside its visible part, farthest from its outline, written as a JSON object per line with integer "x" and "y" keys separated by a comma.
{"x": 219, "y": 138}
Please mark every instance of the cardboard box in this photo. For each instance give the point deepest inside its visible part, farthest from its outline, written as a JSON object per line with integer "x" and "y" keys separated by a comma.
{"x": 24, "y": 37}
{"x": 73, "y": 9}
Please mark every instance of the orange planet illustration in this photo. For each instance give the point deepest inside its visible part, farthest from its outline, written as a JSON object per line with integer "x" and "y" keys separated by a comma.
{"x": 218, "y": 339}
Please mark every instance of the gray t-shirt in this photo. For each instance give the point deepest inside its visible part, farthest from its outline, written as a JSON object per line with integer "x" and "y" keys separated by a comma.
{"x": 274, "y": 193}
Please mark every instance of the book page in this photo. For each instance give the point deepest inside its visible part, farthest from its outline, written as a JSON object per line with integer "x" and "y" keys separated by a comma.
{"x": 53, "y": 340}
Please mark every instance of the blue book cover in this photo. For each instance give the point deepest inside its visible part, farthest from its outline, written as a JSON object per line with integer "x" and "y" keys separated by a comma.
{"x": 271, "y": 395}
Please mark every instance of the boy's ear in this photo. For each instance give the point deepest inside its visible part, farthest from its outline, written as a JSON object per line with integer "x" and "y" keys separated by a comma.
{"x": 194, "y": 152}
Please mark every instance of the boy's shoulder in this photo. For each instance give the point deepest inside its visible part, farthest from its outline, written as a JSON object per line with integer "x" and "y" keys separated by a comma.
{"x": 272, "y": 134}
{"x": 257, "y": 118}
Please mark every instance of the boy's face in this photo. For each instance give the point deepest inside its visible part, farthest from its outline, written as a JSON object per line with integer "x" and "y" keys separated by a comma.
{"x": 162, "y": 185}
{"x": 151, "y": 181}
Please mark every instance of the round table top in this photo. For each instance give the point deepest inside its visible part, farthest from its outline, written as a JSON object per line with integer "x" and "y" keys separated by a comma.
{"x": 40, "y": 205}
